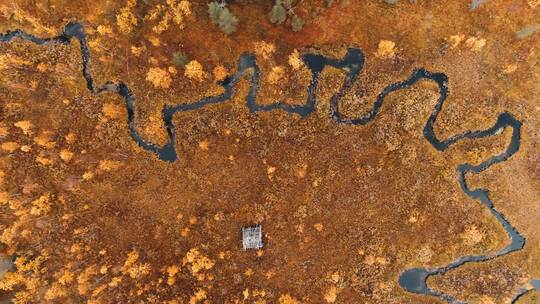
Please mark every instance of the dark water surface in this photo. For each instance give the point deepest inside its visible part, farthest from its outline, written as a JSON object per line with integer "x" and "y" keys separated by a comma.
{"x": 413, "y": 280}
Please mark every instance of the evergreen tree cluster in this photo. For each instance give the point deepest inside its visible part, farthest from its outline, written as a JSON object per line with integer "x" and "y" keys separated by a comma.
{"x": 343, "y": 2}
{"x": 222, "y": 16}
{"x": 282, "y": 10}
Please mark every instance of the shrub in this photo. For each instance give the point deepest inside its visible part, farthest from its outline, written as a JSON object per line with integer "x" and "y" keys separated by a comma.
{"x": 180, "y": 59}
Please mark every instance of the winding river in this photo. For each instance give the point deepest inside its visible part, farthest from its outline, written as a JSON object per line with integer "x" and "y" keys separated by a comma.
{"x": 413, "y": 280}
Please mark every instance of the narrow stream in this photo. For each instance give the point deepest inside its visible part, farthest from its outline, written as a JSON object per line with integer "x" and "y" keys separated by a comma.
{"x": 413, "y": 280}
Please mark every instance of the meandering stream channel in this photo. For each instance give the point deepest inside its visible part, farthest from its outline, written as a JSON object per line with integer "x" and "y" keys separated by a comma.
{"x": 413, "y": 280}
